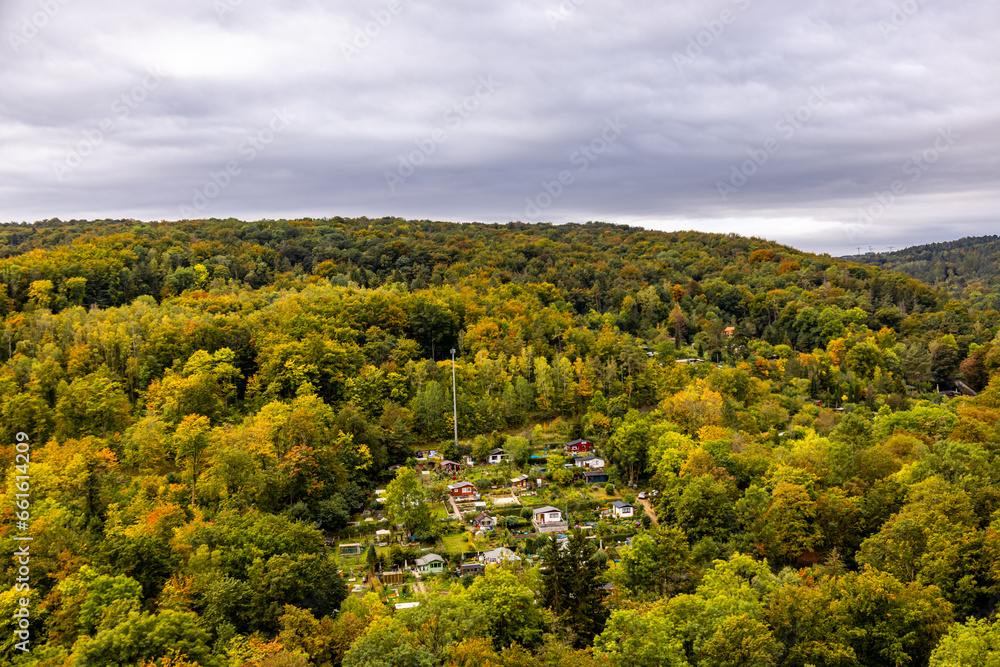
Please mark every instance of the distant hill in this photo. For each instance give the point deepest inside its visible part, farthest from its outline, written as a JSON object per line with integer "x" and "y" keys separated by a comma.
{"x": 593, "y": 265}
{"x": 968, "y": 267}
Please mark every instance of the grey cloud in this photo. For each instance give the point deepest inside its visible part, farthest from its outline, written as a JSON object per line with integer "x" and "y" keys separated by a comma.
{"x": 698, "y": 86}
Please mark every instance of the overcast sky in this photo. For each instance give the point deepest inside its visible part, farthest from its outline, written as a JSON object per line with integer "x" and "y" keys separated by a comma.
{"x": 787, "y": 120}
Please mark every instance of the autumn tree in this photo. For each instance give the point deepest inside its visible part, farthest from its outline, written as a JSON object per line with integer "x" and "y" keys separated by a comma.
{"x": 191, "y": 440}
{"x": 91, "y": 405}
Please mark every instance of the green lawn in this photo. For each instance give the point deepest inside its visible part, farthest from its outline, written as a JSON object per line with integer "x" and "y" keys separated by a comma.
{"x": 601, "y": 495}
{"x": 455, "y": 543}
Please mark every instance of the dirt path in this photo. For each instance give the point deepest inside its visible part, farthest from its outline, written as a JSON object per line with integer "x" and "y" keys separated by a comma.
{"x": 454, "y": 506}
{"x": 648, "y": 506}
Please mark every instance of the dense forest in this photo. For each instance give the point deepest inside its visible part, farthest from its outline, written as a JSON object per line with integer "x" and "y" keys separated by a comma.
{"x": 213, "y": 408}
{"x": 968, "y": 267}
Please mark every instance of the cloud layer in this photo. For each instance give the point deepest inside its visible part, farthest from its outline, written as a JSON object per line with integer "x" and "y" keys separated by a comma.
{"x": 825, "y": 126}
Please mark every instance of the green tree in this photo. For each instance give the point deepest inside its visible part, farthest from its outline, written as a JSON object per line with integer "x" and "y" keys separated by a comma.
{"x": 75, "y": 289}
{"x": 406, "y": 501}
{"x": 741, "y": 641}
{"x": 191, "y": 443}
{"x": 658, "y": 562}
{"x": 519, "y": 450}
{"x": 916, "y": 364}
{"x": 144, "y": 636}
{"x": 428, "y": 407}
{"x": 511, "y": 612}
{"x": 884, "y": 621}
{"x": 204, "y": 385}
{"x": 440, "y": 623}
{"x": 148, "y": 558}
{"x": 975, "y": 643}
{"x": 384, "y": 644}
{"x": 629, "y": 444}
{"x": 935, "y": 539}
{"x": 308, "y": 581}
{"x": 791, "y": 521}
{"x": 571, "y": 580}
{"x": 944, "y": 361}
{"x": 481, "y": 447}
{"x": 92, "y": 404}
{"x": 704, "y": 508}
{"x": 863, "y": 359}
{"x": 87, "y": 599}
{"x": 643, "y": 637}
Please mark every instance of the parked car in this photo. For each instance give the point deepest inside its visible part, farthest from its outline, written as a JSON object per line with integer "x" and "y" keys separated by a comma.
{"x": 643, "y": 495}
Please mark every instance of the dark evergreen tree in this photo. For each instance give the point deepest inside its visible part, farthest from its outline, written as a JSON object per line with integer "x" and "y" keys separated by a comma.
{"x": 571, "y": 585}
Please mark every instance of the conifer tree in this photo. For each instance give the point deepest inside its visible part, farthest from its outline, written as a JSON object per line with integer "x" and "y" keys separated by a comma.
{"x": 571, "y": 581}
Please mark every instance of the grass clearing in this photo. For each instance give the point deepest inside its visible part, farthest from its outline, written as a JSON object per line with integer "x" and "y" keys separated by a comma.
{"x": 455, "y": 543}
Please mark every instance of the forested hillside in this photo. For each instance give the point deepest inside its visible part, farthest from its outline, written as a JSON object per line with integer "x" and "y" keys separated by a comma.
{"x": 968, "y": 267}
{"x": 214, "y": 409}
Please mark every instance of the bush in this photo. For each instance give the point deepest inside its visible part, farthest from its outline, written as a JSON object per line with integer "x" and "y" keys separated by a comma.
{"x": 576, "y": 506}
{"x": 333, "y": 513}
{"x": 300, "y": 512}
